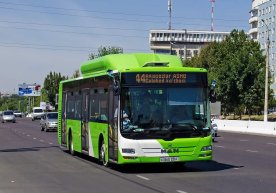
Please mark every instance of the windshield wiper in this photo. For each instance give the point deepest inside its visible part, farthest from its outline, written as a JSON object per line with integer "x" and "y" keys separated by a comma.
{"x": 176, "y": 127}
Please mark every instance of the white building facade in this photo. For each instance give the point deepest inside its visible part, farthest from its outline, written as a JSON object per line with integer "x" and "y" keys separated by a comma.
{"x": 263, "y": 25}
{"x": 183, "y": 43}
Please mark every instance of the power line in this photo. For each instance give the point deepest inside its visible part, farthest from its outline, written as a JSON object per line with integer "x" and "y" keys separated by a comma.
{"x": 72, "y": 26}
{"x": 90, "y": 27}
{"x": 55, "y": 47}
{"x": 114, "y": 13}
{"x": 71, "y": 32}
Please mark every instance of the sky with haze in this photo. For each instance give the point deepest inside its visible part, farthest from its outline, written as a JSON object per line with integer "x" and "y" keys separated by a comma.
{"x": 39, "y": 36}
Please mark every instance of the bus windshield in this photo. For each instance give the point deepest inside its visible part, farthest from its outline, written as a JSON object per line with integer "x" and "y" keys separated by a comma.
{"x": 169, "y": 112}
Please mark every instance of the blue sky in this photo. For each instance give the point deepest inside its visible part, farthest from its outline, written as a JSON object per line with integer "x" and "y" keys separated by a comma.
{"x": 38, "y": 36}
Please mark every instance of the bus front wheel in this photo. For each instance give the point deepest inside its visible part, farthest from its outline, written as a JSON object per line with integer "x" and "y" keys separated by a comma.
{"x": 103, "y": 157}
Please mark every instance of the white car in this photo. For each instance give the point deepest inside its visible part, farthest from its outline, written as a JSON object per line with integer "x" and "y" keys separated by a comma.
{"x": 37, "y": 113}
{"x": 7, "y": 116}
{"x": 17, "y": 114}
{"x": 215, "y": 129}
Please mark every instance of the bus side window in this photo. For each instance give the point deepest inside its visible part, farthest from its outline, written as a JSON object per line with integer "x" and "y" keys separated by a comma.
{"x": 103, "y": 107}
{"x": 94, "y": 105}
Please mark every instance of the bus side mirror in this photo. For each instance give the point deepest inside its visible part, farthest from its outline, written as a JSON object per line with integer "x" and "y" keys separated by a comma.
{"x": 116, "y": 87}
{"x": 212, "y": 94}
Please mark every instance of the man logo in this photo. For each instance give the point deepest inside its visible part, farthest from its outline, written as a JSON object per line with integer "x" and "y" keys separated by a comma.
{"x": 170, "y": 150}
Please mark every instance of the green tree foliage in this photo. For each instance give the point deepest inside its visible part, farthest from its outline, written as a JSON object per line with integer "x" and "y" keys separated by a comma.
{"x": 103, "y": 51}
{"x": 76, "y": 74}
{"x": 13, "y": 102}
{"x": 238, "y": 65}
{"x": 51, "y": 85}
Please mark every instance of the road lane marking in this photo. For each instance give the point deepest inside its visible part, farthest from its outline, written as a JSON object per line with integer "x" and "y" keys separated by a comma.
{"x": 219, "y": 146}
{"x": 244, "y": 140}
{"x": 51, "y": 143}
{"x": 236, "y": 168}
{"x": 28, "y": 135}
{"x": 180, "y": 191}
{"x": 252, "y": 151}
{"x": 34, "y": 138}
{"x": 271, "y": 143}
{"x": 142, "y": 177}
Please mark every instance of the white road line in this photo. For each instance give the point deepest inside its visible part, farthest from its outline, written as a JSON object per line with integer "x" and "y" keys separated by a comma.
{"x": 180, "y": 191}
{"x": 252, "y": 151}
{"x": 34, "y": 138}
{"x": 219, "y": 146}
{"x": 142, "y": 177}
{"x": 28, "y": 135}
{"x": 244, "y": 140}
{"x": 51, "y": 143}
{"x": 236, "y": 168}
{"x": 271, "y": 143}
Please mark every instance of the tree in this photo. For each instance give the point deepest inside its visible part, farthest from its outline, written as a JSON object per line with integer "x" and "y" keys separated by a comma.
{"x": 76, "y": 74}
{"x": 238, "y": 65}
{"x": 103, "y": 51}
{"x": 51, "y": 85}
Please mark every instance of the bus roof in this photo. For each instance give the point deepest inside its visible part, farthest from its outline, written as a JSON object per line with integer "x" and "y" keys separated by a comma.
{"x": 134, "y": 62}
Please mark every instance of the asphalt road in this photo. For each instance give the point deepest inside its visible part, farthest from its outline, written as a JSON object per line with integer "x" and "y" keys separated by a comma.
{"x": 32, "y": 162}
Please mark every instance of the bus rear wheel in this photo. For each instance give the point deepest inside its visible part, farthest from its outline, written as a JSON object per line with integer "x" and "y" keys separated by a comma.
{"x": 71, "y": 145}
{"x": 103, "y": 157}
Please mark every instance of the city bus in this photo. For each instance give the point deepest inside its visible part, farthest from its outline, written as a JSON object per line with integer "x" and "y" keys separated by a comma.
{"x": 136, "y": 108}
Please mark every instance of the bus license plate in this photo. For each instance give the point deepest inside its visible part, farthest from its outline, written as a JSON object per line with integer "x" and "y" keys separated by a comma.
{"x": 169, "y": 159}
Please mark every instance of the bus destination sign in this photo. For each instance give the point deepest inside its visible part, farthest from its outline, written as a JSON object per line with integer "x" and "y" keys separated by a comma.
{"x": 161, "y": 78}
{"x": 165, "y": 78}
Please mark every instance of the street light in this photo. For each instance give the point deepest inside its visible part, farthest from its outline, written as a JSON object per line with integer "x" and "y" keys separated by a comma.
{"x": 266, "y": 73}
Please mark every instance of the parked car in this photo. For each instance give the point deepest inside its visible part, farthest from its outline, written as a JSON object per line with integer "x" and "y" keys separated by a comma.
{"x": 17, "y": 114}
{"x": 7, "y": 116}
{"x": 49, "y": 121}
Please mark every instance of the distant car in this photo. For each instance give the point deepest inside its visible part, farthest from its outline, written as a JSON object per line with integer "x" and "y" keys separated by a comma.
{"x": 49, "y": 121}
{"x": 17, "y": 114}
{"x": 37, "y": 113}
{"x": 215, "y": 129}
{"x": 7, "y": 116}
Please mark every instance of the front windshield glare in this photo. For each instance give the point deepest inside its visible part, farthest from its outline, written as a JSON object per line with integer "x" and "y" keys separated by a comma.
{"x": 163, "y": 109}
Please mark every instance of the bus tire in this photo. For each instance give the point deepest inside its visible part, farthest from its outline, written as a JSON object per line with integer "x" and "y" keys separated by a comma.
{"x": 71, "y": 145}
{"x": 102, "y": 154}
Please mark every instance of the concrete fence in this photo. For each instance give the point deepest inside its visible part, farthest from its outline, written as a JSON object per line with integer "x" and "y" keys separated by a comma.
{"x": 257, "y": 127}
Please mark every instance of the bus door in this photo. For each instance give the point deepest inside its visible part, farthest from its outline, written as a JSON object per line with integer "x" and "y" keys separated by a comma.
{"x": 113, "y": 126}
{"x": 85, "y": 120}
{"x": 63, "y": 118}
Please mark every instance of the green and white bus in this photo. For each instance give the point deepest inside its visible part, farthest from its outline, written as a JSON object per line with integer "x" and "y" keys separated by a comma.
{"x": 136, "y": 108}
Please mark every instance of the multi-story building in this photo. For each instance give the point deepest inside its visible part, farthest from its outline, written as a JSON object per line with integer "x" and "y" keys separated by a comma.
{"x": 263, "y": 26}
{"x": 253, "y": 21}
{"x": 183, "y": 43}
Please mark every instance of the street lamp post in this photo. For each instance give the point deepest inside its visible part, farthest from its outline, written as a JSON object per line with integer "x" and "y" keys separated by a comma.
{"x": 266, "y": 74}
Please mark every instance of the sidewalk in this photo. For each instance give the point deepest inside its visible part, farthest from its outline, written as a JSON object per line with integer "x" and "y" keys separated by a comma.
{"x": 254, "y": 127}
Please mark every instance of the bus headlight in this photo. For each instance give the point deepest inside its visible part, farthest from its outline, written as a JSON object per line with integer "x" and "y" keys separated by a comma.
{"x": 128, "y": 150}
{"x": 206, "y": 148}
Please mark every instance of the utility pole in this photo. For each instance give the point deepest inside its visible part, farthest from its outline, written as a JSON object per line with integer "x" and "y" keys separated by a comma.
{"x": 266, "y": 74}
{"x": 170, "y": 13}
{"x": 212, "y": 14}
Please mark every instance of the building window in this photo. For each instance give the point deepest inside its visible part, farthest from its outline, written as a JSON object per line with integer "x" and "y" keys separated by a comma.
{"x": 195, "y": 52}
{"x": 188, "y": 53}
